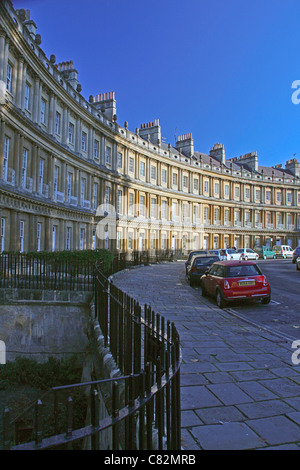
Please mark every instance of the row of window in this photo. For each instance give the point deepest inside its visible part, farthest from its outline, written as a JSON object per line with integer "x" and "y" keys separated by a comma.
{"x": 41, "y": 171}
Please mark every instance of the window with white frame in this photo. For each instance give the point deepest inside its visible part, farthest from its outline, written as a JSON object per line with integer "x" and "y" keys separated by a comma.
{"x": 153, "y": 172}
{"x": 130, "y": 241}
{"x": 27, "y": 96}
{"x": 257, "y": 194}
{"x": 185, "y": 181}
{"x": 108, "y": 155}
{"x": 142, "y": 169}
{"x": 226, "y": 190}
{"x": 83, "y": 141}
{"x": 107, "y": 196}
{"x": 226, "y": 216}
{"x": 69, "y": 186}
{"x": 71, "y": 133}
{"x": 38, "y": 235}
{"x": 95, "y": 198}
{"x": 82, "y": 239}
{"x": 119, "y": 201}
{"x": 131, "y": 165}
{"x": 268, "y": 195}
{"x": 2, "y": 234}
{"x": 175, "y": 179}
{"x": 196, "y": 182}
{"x": 21, "y": 236}
{"x": 82, "y": 191}
{"x": 96, "y": 148}
{"x": 153, "y": 207}
{"x": 205, "y": 214}
{"x": 41, "y": 175}
{"x": 130, "y": 204}
{"x": 184, "y": 211}
{"x": 206, "y": 186}
{"x": 174, "y": 210}
{"x": 142, "y": 205}
{"x": 164, "y": 175}
{"x": 43, "y": 111}
{"x": 57, "y": 122}
{"x": 68, "y": 238}
{"x": 5, "y": 158}
{"x": 118, "y": 244}
{"x": 278, "y": 196}
{"x": 289, "y": 197}
{"x": 216, "y": 215}
{"x": 9, "y": 73}
{"x": 119, "y": 160}
{"x": 55, "y": 182}
{"x": 237, "y": 192}
{"x": 247, "y": 193}
{"x": 216, "y": 189}
{"x": 163, "y": 209}
{"x": 279, "y": 219}
{"x": 24, "y": 167}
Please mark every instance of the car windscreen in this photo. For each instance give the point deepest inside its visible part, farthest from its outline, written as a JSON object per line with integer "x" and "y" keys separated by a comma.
{"x": 243, "y": 270}
{"x": 206, "y": 261}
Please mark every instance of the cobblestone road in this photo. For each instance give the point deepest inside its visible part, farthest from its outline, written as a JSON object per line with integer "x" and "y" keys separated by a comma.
{"x": 239, "y": 387}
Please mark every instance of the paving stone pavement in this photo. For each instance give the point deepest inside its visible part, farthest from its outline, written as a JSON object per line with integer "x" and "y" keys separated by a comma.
{"x": 239, "y": 387}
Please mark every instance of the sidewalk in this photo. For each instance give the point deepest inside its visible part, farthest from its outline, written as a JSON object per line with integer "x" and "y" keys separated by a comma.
{"x": 239, "y": 387}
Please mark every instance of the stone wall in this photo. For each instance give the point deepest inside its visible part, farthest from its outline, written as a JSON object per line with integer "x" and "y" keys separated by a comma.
{"x": 39, "y": 329}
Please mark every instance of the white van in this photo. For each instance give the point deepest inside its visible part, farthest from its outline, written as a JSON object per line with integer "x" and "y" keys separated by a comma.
{"x": 283, "y": 251}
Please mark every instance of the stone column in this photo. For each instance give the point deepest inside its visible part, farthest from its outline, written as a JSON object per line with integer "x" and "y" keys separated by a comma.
{"x": 18, "y": 144}
{"x": 20, "y": 80}
{"x": 51, "y": 114}
{"x": 2, "y": 55}
{"x": 36, "y": 117}
{"x": 2, "y": 135}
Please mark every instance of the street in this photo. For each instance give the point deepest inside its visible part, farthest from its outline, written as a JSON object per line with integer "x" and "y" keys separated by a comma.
{"x": 282, "y": 314}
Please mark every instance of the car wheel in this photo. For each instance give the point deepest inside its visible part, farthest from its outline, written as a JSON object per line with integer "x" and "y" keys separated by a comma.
{"x": 297, "y": 267}
{"x": 265, "y": 257}
{"x": 266, "y": 300}
{"x": 220, "y": 301}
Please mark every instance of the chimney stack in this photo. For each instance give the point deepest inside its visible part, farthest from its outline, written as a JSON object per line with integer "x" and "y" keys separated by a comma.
{"x": 151, "y": 130}
{"x": 185, "y": 144}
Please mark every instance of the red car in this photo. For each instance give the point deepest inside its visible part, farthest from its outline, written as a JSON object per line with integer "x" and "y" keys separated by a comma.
{"x": 235, "y": 280}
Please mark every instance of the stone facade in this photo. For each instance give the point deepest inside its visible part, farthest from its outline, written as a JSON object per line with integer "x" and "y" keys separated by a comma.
{"x": 62, "y": 156}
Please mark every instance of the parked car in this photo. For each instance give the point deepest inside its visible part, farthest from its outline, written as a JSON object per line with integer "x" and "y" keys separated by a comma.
{"x": 283, "y": 251}
{"x": 193, "y": 253}
{"x": 247, "y": 253}
{"x": 199, "y": 265}
{"x": 265, "y": 252}
{"x": 296, "y": 253}
{"x": 235, "y": 280}
{"x": 215, "y": 252}
{"x": 227, "y": 254}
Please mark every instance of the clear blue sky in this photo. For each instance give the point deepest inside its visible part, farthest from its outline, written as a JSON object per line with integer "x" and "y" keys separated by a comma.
{"x": 221, "y": 69}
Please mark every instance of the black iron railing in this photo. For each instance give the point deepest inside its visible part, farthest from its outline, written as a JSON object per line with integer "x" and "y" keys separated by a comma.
{"x": 143, "y": 411}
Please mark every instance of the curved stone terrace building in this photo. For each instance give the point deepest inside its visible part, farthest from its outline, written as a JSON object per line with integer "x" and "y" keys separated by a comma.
{"x": 72, "y": 178}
